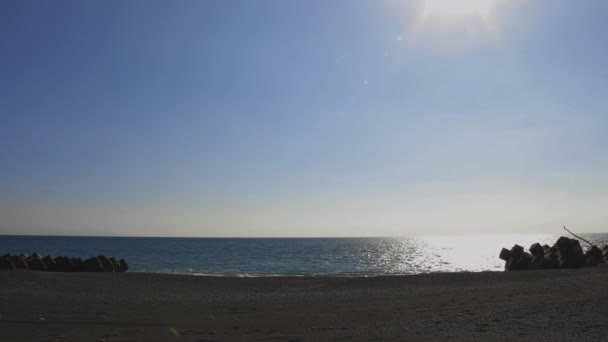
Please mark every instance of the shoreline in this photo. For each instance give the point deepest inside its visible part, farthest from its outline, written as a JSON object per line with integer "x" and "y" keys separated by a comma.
{"x": 137, "y": 306}
{"x": 307, "y": 275}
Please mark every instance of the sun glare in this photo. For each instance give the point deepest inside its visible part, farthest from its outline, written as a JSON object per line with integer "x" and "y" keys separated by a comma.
{"x": 457, "y": 8}
{"x": 453, "y": 26}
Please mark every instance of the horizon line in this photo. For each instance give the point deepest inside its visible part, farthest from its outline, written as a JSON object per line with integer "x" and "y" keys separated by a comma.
{"x": 282, "y": 237}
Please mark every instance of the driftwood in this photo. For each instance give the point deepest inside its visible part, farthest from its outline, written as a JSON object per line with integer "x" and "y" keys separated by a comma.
{"x": 576, "y": 236}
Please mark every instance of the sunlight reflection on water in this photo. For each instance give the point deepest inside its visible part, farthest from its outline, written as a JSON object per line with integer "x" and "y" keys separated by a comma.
{"x": 469, "y": 253}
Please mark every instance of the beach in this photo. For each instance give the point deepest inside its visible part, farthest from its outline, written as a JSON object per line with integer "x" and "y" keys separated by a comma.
{"x": 552, "y": 305}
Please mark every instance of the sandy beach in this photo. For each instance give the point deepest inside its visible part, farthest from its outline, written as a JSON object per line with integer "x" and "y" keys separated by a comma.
{"x": 535, "y": 305}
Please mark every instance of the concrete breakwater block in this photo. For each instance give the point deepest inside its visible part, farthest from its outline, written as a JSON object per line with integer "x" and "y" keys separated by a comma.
{"x": 37, "y": 262}
{"x": 537, "y": 250}
{"x": 505, "y": 254}
{"x": 565, "y": 253}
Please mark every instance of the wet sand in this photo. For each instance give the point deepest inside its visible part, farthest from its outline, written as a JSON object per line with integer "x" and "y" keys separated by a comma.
{"x": 551, "y": 305}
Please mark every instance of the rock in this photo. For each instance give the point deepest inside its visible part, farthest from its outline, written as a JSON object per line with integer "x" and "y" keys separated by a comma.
{"x": 571, "y": 253}
{"x": 575, "y": 247}
{"x": 76, "y": 264}
{"x": 123, "y": 265}
{"x": 594, "y": 254}
{"x": 536, "y": 262}
{"x": 557, "y": 254}
{"x": 517, "y": 251}
{"x": 49, "y": 263}
{"x": 525, "y": 260}
{"x": 565, "y": 253}
{"x": 563, "y": 244}
{"x": 6, "y": 263}
{"x": 510, "y": 265}
{"x": 92, "y": 265}
{"x": 59, "y": 261}
{"x": 106, "y": 264}
{"x": 36, "y": 262}
{"x": 549, "y": 263}
{"x": 590, "y": 262}
{"x": 36, "y": 265}
{"x": 116, "y": 264}
{"x": 518, "y": 263}
{"x": 505, "y": 254}
{"x": 551, "y": 252}
{"x": 537, "y": 250}
{"x": 19, "y": 262}
{"x": 64, "y": 264}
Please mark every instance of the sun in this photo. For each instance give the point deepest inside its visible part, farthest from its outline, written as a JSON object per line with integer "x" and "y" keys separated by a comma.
{"x": 452, "y": 26}
{"x": 457, "y": 8}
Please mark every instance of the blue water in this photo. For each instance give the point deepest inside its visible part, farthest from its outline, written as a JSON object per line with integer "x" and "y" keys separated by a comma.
{"x": 257, "y": 257}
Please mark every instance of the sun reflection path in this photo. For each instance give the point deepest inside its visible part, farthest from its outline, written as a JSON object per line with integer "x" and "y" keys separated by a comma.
{"x": 472, "y": 253}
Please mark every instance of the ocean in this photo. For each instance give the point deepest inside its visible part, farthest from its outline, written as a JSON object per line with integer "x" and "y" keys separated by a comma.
{"x": 289, "y": 256}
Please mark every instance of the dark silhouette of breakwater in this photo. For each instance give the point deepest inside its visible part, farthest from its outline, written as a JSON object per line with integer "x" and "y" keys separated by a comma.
{"x": 565, "y": 253}
{"x": 36, "y": 262}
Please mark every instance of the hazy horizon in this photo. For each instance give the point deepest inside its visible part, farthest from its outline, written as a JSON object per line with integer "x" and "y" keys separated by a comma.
{"x": 423, "y": 236}
{"x": 340, "y": 118}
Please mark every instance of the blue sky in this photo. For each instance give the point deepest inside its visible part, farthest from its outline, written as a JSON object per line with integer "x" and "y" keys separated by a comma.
{"x": 302, "y": 118}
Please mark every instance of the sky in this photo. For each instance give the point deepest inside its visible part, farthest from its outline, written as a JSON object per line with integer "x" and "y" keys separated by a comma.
{"x": 303, "y": 118}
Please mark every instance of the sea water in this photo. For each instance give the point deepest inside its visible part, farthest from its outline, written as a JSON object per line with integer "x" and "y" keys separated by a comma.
{"x": 289, "y": 256}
